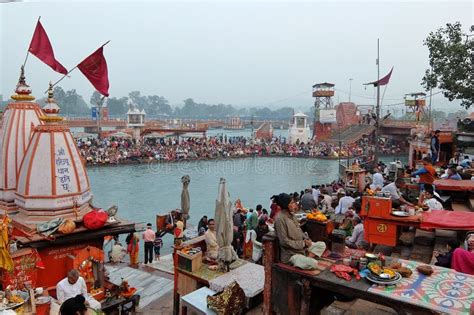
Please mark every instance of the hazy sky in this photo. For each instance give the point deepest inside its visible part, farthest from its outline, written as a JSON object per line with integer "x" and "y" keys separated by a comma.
{"x": 241, "y": 53}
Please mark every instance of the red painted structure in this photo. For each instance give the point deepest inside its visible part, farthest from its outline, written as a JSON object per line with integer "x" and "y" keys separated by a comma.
{"x": 347, "y": 114}
{"x": 264, "y": 132}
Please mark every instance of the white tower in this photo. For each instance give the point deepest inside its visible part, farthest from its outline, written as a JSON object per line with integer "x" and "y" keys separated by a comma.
{"x": 299, "y": 129}
{"x": 19, "y": 120}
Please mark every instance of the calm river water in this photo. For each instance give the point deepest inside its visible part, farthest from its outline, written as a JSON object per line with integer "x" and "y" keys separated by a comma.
{"x": 142, "y": 191}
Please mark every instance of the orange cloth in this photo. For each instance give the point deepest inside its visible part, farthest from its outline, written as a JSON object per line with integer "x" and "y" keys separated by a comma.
{"x": 133, "y": 248}
{"x": 6, "y": 261}
{"x": 429, "y": 177}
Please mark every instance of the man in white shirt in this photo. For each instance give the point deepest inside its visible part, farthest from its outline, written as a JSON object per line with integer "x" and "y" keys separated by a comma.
{"x": 211, "y": 240}
{"x": 377, "y": 181}
{"x": 344, "y": 203}
{"x": 315, "y": 192}
{"x": 357, "y": 237}
{"x": 325, "y": 203}
{"x": 395, "y": 195}
{"x": 74, "y": 285}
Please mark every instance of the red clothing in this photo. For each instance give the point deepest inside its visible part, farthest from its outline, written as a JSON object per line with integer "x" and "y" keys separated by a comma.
{"x": 275, "y": 209}
{"x": 463, "y": 261}
{"x": 429, "y": 177}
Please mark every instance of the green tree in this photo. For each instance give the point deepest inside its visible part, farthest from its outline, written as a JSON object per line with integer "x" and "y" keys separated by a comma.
{"x": 95, "y": 98}
{"x": 451, "y": 54}
{"x": 138, "y": 100}
{"x": 118, "y": 107}
{"x": 157, "y": 105}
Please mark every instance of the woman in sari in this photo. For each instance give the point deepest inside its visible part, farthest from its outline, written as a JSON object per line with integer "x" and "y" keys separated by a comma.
{"x": 133, "y": 245}
{"x": 463, "y": 259}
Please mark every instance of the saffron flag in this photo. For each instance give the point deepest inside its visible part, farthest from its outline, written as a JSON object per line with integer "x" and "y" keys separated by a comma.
{"x": 382, "y": 81}
{"x": 94, "y": 68}
{"x": 40, "y": 46}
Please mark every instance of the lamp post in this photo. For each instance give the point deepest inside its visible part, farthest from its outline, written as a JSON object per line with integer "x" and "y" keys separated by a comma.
{"x": 350, "y": 88}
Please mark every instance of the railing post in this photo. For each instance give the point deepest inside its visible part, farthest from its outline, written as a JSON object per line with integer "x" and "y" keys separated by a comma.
{"x": 269, "y": 243}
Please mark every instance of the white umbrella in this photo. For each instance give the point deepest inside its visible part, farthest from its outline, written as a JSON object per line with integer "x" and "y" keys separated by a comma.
{"x": 224, "y": 231}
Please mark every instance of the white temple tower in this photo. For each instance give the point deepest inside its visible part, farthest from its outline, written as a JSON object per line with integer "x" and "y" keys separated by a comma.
{"x": 19, "y": 120}
{"x": 299, "y": 129}
{"x": 53, "y": 180}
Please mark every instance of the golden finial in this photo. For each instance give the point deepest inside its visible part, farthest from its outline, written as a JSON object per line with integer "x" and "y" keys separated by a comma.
{"x": 51, "y": 109}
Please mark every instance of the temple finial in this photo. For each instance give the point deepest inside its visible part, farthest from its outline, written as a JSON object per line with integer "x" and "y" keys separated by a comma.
{"x": 50, "y": 91}
{"x": 22, "y": 79}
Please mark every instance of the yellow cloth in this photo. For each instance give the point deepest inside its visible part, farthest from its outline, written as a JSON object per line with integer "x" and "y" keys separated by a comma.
{"x": 6, "y": 261}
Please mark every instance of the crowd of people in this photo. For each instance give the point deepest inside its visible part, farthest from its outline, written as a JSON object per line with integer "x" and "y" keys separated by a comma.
{"x": 123, "y": 150}
{"x": 341, "y": 205}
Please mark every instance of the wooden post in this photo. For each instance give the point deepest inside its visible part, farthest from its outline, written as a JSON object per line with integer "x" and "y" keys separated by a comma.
{"x": 268, "y": 260}
{"x": 175, "y": 288}
{"x": 306, "y": 297}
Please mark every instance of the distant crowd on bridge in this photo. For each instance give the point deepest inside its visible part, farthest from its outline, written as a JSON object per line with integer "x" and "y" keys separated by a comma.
{"x": 124, "y": 151}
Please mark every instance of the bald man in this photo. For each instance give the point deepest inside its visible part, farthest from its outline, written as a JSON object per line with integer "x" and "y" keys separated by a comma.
{"x": 74, "y": 285}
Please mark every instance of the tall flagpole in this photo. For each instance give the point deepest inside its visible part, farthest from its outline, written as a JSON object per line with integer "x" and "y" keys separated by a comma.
{"x": 28, "y": 51}
{"x": 99, "y": 115}
{"x": 377, "y": 108}
{"x": 72, "y": 69}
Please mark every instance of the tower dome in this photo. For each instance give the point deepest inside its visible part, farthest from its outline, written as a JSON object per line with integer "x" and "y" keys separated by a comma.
{"x": 52, "y": 180}
{"x": 19, "y": 120}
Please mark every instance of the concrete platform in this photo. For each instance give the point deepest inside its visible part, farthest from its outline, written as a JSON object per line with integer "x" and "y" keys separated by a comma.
{"x": 150, "y": 286}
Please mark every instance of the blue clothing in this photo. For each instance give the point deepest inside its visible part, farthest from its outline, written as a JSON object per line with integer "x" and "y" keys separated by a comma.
{"x": 465, "y": 163}
{"x": 455, "y": 177}
{"x": 419, "y": 172}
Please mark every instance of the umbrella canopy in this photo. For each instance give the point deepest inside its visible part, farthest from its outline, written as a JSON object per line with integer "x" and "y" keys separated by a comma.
{"x": 185, "y": 203}
{"x": 224, "y": 231}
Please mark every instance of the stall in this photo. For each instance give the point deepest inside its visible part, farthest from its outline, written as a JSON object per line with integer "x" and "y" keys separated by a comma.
{"x": 382, "y": 225}
{"x": 289, "y": 290}
{"x": 192, "y": 273}
{"x": 355, "y": 179}
{"x": 319, "y": 230}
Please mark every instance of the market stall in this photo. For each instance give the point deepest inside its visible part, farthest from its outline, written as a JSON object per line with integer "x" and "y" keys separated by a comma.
{"x": 289, "y": 290}
{"x": 192, "y": 273}
{"x": 382, "y": 224}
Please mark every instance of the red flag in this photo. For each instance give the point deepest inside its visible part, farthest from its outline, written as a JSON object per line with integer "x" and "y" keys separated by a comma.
{"x": 94, "y": 68}
{"x": 40, "y": 46}
{"x": 383, "y": 81}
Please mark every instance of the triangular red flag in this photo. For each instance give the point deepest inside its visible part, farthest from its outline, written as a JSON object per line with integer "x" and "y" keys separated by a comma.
{"x": 40, "y": 46}
{"x": 382, "y": 81}
{"x": 94, "y": 68}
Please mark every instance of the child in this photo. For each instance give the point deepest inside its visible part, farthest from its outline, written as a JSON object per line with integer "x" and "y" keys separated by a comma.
{"x": 157, "y": 243}
{"x": 445, "y": 260}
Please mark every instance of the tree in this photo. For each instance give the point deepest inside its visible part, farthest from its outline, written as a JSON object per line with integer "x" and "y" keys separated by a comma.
{"x": 157, "y": 105}
{"x": 451, "y": 54}
{"x": 117, "y": 107}
{"x": 95, "y": 98}
{"x": 138, "y": 100}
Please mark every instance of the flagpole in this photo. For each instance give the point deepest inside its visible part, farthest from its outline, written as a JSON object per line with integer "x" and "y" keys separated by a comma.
{"x": 73, "y": 69}
{"x": 99, "y": 116}
{"x": 377, "y": 108}
{"x": 28, "y": 50}
{"x": 65, "y": 75}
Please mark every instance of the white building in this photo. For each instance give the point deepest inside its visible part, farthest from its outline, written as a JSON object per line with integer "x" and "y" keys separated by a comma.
{"x": 299, "y": 129}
